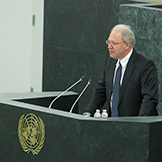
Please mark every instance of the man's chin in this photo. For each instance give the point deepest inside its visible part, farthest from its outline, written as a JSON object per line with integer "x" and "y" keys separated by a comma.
{"x": 112, "y": 56}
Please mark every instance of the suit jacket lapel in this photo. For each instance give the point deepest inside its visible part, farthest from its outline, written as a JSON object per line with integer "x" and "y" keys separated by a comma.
{"x": 128, "y": 72}
{"x": 111, "y": 76}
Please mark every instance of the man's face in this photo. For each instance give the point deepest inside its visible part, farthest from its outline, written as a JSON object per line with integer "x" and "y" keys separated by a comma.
{"x": 116, "y": 46}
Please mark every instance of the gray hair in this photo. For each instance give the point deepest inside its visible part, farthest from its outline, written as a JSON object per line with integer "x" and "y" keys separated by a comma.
{"x": 127, "y": 34}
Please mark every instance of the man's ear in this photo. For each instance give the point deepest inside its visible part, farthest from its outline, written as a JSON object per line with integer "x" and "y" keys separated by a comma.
{"x": 127, "y": 45}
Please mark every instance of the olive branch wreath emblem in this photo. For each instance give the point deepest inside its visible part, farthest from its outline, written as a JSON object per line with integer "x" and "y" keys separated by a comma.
{"x": 31, "y": 132}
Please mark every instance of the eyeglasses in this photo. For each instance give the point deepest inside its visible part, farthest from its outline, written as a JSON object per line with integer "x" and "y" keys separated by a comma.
{"x": 112, "y": 43}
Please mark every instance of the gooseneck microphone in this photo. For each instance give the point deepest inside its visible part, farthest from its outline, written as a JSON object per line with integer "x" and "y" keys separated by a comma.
{"x": 66, "y": 91}
{"x": 89, "y": 82}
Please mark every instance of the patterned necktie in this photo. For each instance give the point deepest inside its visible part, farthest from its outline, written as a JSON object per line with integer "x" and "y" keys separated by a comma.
{"x": 116, "y": 88}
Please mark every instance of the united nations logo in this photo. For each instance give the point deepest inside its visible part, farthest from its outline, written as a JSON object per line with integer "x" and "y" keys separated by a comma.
{"x": 31, "y": 132}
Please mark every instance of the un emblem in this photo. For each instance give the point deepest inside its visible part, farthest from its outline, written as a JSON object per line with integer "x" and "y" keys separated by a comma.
{"x": 31, "y": 132}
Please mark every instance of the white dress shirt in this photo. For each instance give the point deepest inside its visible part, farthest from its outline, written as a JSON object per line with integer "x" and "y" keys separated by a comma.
{"x": 123, "y": 63}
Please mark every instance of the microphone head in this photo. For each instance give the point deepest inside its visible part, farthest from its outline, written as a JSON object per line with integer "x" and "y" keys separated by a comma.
{"x": 82, "y": 78}
{"x": 90, "y": 81}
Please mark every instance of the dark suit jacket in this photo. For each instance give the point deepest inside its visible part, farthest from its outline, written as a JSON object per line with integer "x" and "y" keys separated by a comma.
{"x": 139, "y": 90}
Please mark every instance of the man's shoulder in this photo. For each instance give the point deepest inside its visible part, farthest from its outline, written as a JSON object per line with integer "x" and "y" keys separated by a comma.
{"x": 141, "y": 57}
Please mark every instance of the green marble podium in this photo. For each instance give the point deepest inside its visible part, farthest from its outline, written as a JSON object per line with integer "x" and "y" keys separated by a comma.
{"x": 33, "y": 132}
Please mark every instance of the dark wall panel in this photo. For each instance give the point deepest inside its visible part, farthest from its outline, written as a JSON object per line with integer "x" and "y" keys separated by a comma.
{"x": 146, "y": 22}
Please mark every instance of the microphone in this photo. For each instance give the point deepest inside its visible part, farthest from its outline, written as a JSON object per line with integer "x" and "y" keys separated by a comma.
{"x": 89, "y": 82}
{"x": 66, "y": 91}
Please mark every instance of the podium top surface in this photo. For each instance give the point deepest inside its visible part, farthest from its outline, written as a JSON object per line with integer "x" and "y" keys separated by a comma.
{"x": 11, "y": 99}
{"x": 28, "y": 95}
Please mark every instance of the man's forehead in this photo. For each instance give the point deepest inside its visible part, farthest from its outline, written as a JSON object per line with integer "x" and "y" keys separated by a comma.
{"x": 115, "y": 34}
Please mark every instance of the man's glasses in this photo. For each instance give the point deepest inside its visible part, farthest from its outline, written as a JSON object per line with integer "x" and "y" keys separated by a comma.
{"x": 112, "y": 43}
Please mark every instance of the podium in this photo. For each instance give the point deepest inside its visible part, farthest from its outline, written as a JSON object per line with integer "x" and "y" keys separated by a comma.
{"x": 30, "y": 131}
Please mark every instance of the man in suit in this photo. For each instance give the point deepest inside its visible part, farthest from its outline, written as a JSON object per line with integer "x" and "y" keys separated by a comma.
{"x": 138, "y": 94}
